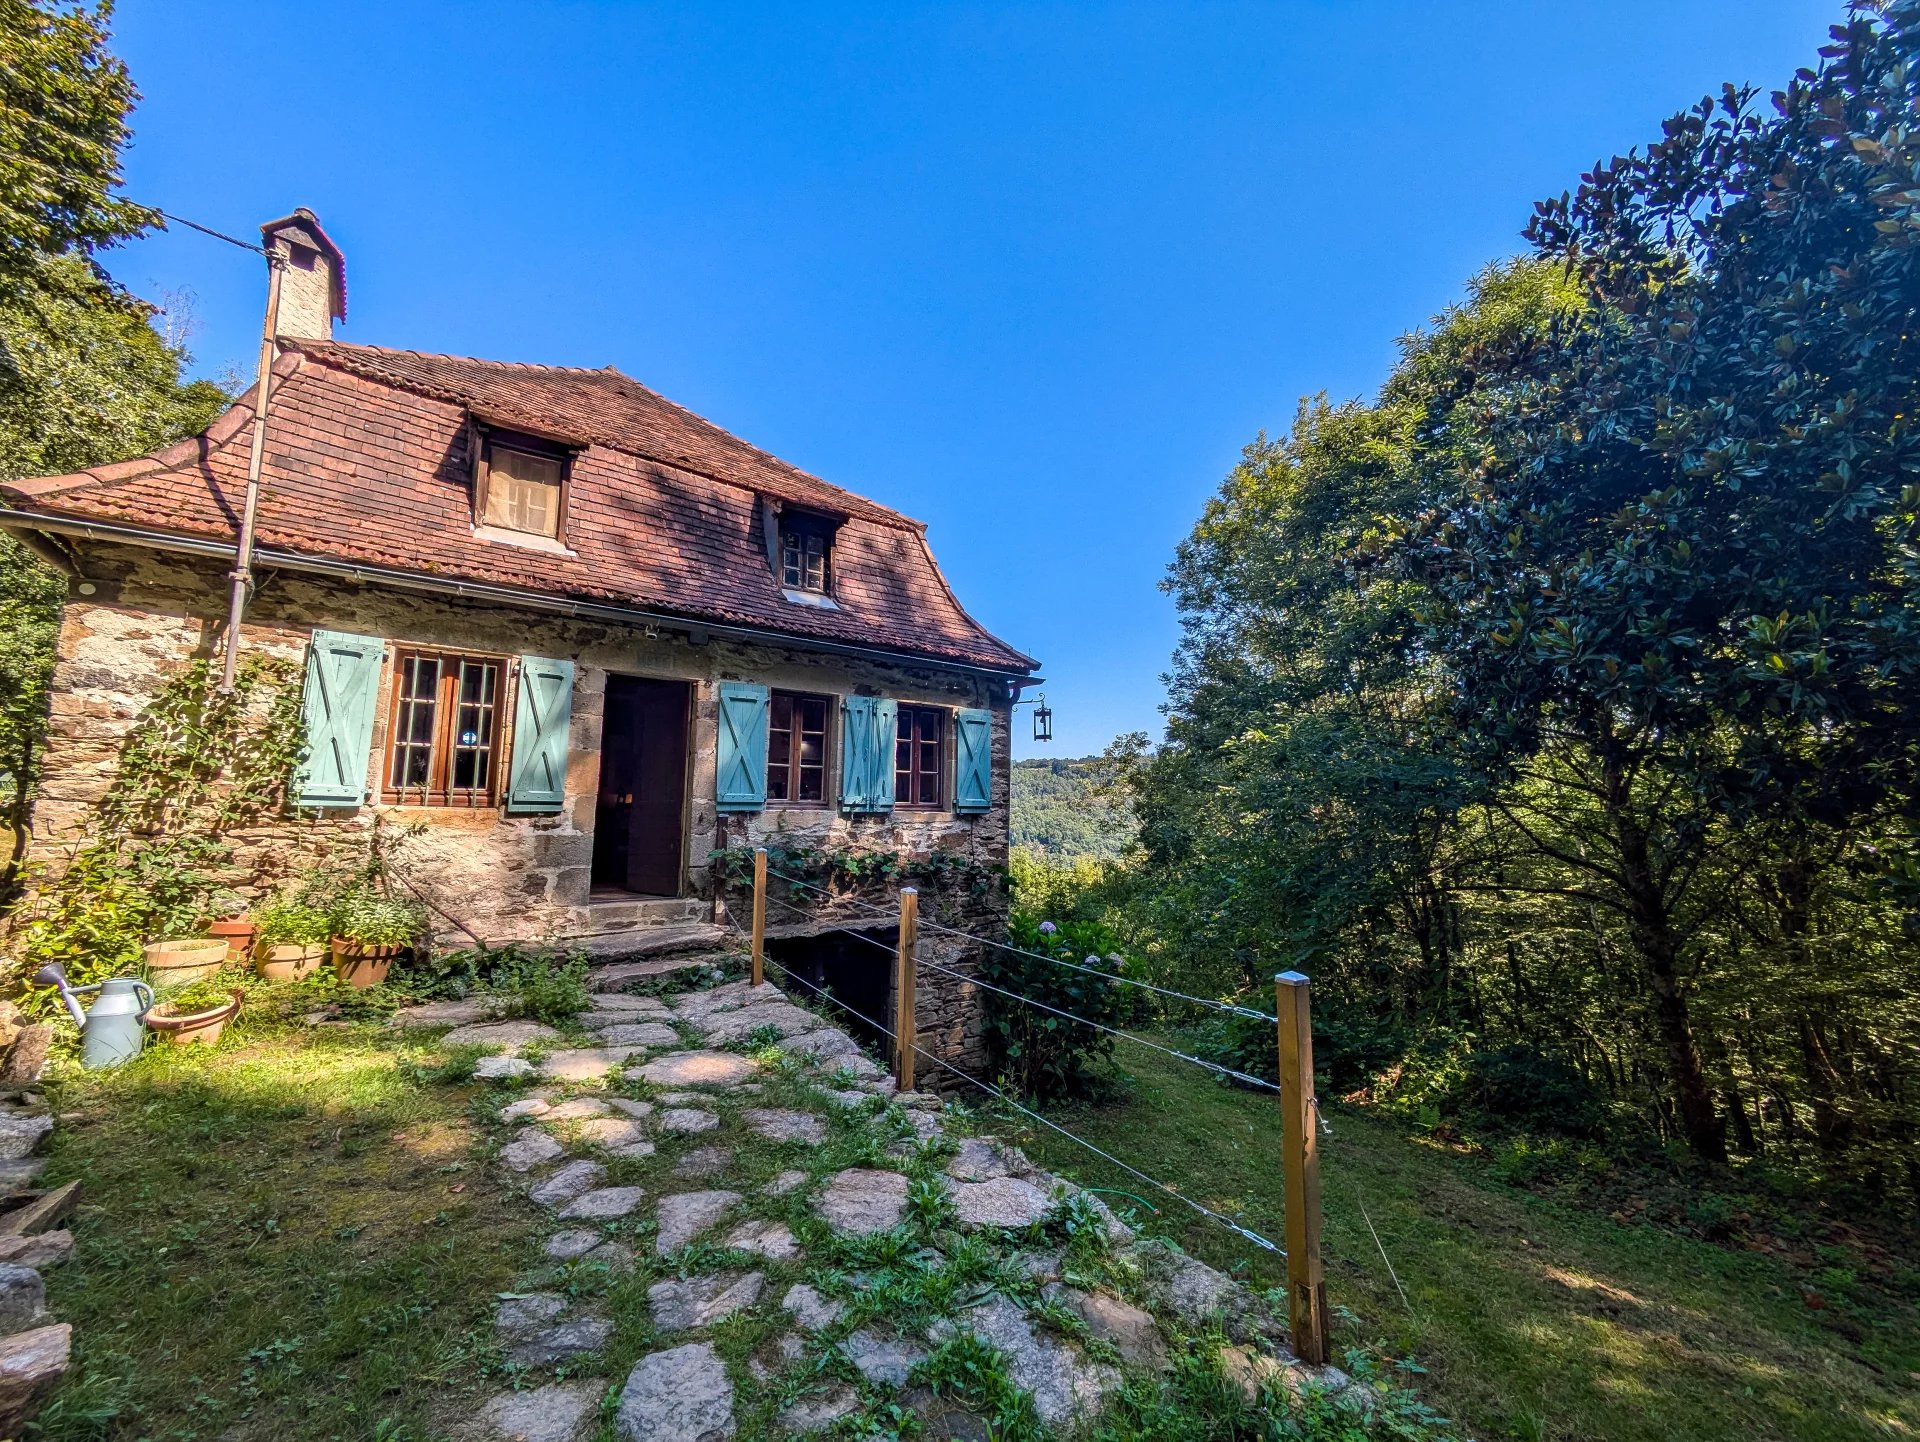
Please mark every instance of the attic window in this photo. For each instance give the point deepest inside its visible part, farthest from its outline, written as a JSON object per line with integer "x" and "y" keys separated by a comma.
{"x": 806, "y": 545}
{"x": 521, "y": 484}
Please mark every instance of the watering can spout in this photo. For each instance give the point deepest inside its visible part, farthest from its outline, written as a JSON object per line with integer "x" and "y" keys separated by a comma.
{"x": 53, "y": 976}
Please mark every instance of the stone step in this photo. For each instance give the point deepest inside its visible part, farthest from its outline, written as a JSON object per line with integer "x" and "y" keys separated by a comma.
{"x": 662, "y": 940}
{"x": 615, "y": 976}
{"x": 599, "y": 917}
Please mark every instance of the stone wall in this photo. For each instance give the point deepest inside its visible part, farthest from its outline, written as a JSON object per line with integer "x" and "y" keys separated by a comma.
{"x": 137, "y": 615}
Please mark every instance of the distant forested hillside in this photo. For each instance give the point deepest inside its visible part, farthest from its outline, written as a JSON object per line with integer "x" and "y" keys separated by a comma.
{"x": 1067, "y": 808}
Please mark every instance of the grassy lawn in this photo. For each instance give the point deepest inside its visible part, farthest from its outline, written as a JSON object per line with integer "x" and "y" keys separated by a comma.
{"x": 1537, "y": 1318}
{"x": 291, "y": 1240}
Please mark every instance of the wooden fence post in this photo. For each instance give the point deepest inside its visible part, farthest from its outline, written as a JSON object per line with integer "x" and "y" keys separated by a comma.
{"x": 759, "y": 914}
{"x": 1306, "y": 1283}
{"x": 906, "y": 980}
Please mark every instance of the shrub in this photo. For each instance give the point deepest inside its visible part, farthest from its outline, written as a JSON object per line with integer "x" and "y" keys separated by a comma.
{"x": 1519, "y": 1086}
{"x": 292, "y": 921}
{"x": 372, "y": 920}
{"x": 1042, "y": 1053}
{"x": 1348, "y": 1047}
{"x": 536, "y": 984}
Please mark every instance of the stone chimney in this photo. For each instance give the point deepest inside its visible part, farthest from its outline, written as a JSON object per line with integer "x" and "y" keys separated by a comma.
{"x": 313, "y": 290}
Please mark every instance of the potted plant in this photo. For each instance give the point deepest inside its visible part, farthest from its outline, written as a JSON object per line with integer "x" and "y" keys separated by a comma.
{"x": 369, "y": 931}
{"x": 196, "y": 1014}
{"x": 290, "y": 939}
{"x": 231, "y": 923}
{"x": 174, "y": 964}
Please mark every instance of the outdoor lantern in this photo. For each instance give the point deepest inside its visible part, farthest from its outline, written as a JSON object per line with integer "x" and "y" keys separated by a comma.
{"x": 1043, "y": 720}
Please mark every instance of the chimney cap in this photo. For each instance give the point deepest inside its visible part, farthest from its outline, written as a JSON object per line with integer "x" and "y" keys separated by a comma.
{"x": 303, "y": 228}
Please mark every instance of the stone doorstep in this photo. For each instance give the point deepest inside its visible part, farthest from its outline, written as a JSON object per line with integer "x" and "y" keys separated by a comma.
{"x": 616, "y": 976}
{"x": 645, "y": 941}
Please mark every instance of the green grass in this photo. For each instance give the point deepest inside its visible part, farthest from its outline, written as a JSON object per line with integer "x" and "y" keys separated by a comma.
{"x": 1536, "y": 1318}
{"x": 291, "y": 1238}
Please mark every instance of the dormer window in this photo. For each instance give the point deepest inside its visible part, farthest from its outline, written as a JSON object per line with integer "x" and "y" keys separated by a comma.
{"x": 521, "y": 484}
{"x": 806, "y": 543}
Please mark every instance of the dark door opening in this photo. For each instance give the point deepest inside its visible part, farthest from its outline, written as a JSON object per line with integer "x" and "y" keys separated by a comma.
{"x": 640, "y": 815}
{"x": 857, "y": 974}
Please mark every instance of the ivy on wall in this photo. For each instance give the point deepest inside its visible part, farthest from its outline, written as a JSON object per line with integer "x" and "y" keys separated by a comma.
{"x": 844, "y": 871}
{"x": 196, "y": 765}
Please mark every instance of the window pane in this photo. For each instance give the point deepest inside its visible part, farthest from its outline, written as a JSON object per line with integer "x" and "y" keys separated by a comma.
{"x": 523, "y": 491}
{"x": 474, "y": 726}
{"x": 417, "y": 708}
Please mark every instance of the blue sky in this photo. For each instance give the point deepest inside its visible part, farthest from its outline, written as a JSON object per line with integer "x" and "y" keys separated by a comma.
{"x": 1032, "y": 273}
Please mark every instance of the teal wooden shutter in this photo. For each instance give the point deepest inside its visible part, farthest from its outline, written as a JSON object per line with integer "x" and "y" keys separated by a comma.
{"x": 741, "y": 777}
{"x": 866, "y": 753}
{"x": 972, "y": 760}
{"x": 343, "y": 673}
{"x": 542, "y": 721}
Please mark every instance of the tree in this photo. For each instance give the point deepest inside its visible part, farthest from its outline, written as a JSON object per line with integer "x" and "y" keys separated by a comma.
{"x": 84, "y": 377}
{"x": 64, "y": 102}
{"x": 1680, "y": 558}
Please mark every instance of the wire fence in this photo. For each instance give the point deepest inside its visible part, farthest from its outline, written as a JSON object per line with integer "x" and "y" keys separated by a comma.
{"x": 875, "y": 914}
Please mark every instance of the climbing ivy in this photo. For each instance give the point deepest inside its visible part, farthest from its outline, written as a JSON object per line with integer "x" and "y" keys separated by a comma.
{"x": 196, "y": 764}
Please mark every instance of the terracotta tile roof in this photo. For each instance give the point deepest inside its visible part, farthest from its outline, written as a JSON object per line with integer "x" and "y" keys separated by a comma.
{"x": 367, "y": 460}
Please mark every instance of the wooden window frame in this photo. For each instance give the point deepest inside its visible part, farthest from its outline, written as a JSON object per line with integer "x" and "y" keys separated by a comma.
{"x": 791, "y": 766}
{"x": 438, "y": 793}
{"x": 485, "y": 439}
{"x": 908, "y": 713}
{"x": 803, "y": 524}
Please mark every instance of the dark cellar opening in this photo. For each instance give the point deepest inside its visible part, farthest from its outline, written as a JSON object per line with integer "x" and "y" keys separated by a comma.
{"x": 854, "y": 967}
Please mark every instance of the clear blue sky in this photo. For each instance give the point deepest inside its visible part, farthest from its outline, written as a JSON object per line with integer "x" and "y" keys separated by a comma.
{"x": 1033, "y": 273}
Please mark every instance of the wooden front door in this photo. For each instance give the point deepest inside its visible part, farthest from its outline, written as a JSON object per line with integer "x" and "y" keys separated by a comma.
{"x": 639, "y": 821}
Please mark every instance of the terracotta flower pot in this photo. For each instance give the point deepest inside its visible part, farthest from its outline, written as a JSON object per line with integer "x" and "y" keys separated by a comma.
{"x": 359, "y": 965}
{"x": 195, "y": 1028}
{"x": 237, "y": 932}
{"x": 288, "y": 960}
{"x": 172, "y": 964}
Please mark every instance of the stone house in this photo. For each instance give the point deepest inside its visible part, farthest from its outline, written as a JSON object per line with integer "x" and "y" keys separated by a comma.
{"x": 572, "y": 636}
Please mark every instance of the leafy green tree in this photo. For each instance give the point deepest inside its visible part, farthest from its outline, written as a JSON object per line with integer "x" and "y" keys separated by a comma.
{"x": 64, "y": 102}
{"x": 1681, "y": 558}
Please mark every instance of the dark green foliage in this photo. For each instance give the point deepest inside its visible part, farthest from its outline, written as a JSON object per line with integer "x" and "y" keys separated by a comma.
{"x": 1567, "y": 695}
{"x": 542, "y": 985}
{"x": 1039, "y": 1052}
{"x": 1350, "y": 1043}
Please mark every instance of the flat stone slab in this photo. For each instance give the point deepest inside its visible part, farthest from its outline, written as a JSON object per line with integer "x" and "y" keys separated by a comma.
{"x": 862, "y": 1201}
{"x": 703, "y": 1162}
{"x": 521, "y": 1315}
{"x": 882, "y": 1359}
{"x": 782, "y": 1017}
{"x": 525, "y": 1107}
{"x": 681, "y": 1395}
{"x": 574, "y": 1242}
{"x": 445, "y": 1013}
{"x": 626, "y": 1004}
{"x": 811, "y": 1310}
{"x": 1063, "y": 1384}
{"x": 786, "y": 1126}
{"x": 611, "y": 1132}
{"x": 574, "y": 1338}
{"x": 1002, "y": 1202}
{"x": 1131, "y": 1330}
{"x": 697, "y": 1069}
{"x": 573, "y": 1180}
{"x": 604, "y": 1204}
{"x": 772, "y": 1240}
{"x": 848, "y": 1097}
{"x": 688, "y": 1121}
{"x": 558, "y": 1412}
{"x": 826, "y": 1043}
{"x": 701, "y": 1301}
{"x": 529, "y": 1149}
{"x": 685, "y": 1215}
{"x": 578, "y": 1109}
{"x": 502, "y": 1068}
{"x": 785, "y": 1182}
{"x": 639, "y": 1033}
{"x": 501, "y": 1035}
{"x": 816, "y": 1414}
{"x": 633, "y": 1150}
{"x": 978, "y": 1160}
{"x": 614, "y": 1256}
{"x": 639, "y": 1111}
{"x": 585, "y": 1063}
